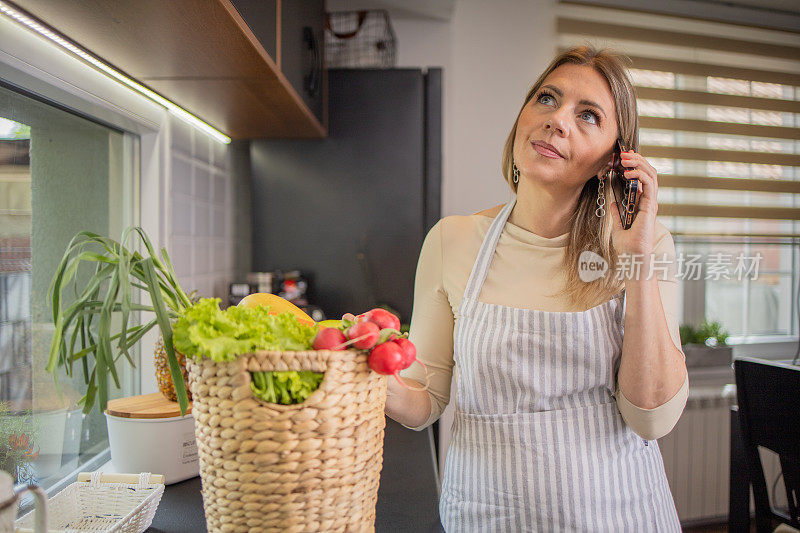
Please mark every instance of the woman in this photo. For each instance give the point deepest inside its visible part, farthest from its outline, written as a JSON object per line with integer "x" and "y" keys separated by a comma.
{"x": 555, "y": 416}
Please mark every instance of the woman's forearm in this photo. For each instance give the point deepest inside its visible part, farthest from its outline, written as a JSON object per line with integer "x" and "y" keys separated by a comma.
{"x": 410, "y": 408}
{"x": 652, "y": 369}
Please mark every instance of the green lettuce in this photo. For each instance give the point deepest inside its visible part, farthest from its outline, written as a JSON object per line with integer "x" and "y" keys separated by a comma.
{"x": 205, "y": 330}
{"x": 285, "y": 387}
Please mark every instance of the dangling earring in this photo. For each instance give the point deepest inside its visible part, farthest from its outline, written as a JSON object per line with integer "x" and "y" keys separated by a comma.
{"x": 515, "y": 178}
{"x": 600, "y": 212}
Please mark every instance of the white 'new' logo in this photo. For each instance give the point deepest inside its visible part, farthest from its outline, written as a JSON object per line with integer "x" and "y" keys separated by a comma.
{"x": 591, "y": 266}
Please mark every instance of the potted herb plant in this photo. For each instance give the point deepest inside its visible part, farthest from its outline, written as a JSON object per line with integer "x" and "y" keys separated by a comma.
{"x": 705, "y": 345}
{"x": 83, "y": 311}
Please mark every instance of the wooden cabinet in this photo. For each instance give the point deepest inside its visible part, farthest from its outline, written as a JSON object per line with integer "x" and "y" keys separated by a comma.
{"x": 221, "y": 60}
{"x": 262, "y": 18}
{"x": 302, "y": 48}
{"x": 292, "y": 33}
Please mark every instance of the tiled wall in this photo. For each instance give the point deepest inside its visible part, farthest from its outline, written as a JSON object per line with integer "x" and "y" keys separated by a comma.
{"x": 201, "y": 211}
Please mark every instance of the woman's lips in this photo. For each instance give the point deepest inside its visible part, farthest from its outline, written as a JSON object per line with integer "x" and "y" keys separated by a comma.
{"x": 545, "y": 152}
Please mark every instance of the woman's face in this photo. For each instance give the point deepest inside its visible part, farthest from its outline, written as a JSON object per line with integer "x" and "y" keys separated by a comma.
{"x": 558, "y": 114}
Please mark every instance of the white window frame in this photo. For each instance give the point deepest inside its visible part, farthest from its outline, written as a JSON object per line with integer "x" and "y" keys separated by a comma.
{"x": 772, "y": 347}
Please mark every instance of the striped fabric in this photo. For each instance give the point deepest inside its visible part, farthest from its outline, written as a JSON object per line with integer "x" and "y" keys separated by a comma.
{"x": 538, "y": 443}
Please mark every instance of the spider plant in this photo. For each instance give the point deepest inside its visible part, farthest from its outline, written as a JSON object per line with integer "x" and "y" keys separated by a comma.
{"x": 83, "y": 330}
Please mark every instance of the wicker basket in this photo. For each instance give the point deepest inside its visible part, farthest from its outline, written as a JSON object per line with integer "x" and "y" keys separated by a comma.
{"x": 119, "y": 503}
{"x": 313, "y": 466}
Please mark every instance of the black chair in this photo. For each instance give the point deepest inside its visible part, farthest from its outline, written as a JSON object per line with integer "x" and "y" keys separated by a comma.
{"x": 768, "y": 394}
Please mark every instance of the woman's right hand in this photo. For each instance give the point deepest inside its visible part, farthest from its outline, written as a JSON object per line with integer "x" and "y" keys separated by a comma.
{"x": 409, "y": 407}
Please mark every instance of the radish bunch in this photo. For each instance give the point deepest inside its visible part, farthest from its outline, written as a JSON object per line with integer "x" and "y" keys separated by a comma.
{"x": 378, "y": 331}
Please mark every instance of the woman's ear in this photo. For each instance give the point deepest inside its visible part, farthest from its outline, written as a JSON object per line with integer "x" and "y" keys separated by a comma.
{"x": 605, "y": 169}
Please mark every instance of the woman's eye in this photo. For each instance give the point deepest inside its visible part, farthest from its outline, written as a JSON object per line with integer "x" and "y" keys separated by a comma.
{"x": 545, "y": 95}
{"x": 592, "y": 114}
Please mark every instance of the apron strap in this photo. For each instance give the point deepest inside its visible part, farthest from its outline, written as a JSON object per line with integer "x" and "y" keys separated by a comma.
{"x": 481, "y": 266}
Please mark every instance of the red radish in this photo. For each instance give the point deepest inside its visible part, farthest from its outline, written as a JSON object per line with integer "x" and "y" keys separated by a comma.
{"x": 329, "y": 339}
{"x": 387, "y": 359}
{"x": 383, "y": 318}
{"x": 409, "y": 351}
{"x": 368, "y": 330}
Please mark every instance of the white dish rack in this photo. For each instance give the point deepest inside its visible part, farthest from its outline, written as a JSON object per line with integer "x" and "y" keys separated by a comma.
{"x": 122, "y": 503}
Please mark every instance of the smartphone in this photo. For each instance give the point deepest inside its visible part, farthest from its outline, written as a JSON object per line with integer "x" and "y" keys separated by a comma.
{"x": 626, "y": 191}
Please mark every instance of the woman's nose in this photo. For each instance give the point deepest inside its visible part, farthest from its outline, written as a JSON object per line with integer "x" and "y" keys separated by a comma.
{"x": 557, "y": 122}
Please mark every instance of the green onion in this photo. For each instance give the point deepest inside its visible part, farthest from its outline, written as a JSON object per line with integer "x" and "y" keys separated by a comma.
{"x": 117, "y": 272}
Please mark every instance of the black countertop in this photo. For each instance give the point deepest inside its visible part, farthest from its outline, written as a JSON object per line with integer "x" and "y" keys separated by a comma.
{"x": 408, "y": 499}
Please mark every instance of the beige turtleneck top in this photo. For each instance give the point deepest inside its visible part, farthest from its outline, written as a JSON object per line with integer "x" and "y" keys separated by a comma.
{"x": 444, "y": 266}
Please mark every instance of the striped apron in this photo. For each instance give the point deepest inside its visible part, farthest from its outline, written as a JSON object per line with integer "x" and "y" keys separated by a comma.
{"x": 538, "y": 443}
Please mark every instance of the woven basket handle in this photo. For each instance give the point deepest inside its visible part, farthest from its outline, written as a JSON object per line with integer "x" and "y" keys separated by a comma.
{"x": 107, "y": 477}
{"x": 362, "y": 15}
{"x": 330, "y": 363}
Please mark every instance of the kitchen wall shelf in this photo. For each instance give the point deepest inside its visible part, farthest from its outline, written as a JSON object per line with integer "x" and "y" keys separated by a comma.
{"x": 201, "y": 54}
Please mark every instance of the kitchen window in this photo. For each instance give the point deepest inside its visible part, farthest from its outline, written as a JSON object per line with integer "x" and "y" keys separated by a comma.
{"x": 60, "y": 173}
{"x": 719, "y": 115}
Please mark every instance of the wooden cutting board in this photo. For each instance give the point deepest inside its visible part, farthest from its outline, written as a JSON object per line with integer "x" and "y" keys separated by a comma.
{"x": 145, "y": 406}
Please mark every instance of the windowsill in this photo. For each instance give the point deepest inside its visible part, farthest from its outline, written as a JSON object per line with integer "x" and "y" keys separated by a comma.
{"x": 741, "y": 340}
{"x": 723, "y": 374}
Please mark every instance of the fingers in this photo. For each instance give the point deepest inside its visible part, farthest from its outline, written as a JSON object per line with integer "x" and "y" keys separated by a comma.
{"x": 634, "y": 160}
{"x": 642, "y": 176}
{"x": 648, "y": 192}
{"x": 639, "y": 169}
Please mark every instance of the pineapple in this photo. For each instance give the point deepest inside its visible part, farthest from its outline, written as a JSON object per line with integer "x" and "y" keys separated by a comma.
{"x": 163, "y": 375}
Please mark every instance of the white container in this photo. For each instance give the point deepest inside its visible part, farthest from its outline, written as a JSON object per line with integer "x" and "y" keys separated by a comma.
{"x": 52, "y": 425}
{"x": 160, "y": 443}
{"x": 72, "y": 439}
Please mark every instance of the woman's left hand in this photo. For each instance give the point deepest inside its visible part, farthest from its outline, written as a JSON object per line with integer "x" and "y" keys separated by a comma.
{"x": 638, "y": 239}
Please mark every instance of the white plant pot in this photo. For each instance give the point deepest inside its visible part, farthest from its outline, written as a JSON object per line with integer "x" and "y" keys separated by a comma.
{"x": 158, "y": 445}
{"x": 51, "y": 442}
{"x": 72, "y": 438}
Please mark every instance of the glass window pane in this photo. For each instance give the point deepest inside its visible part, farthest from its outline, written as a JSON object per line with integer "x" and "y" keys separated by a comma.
{"x": 767, "y": 90}
{"x": 769, "y": 305}
{"x": 59, "y": 174}
{"x": 655, "y": 108}
{"x": 728, "y": 85}
{"x": 652, "y": 78}
{"x": 724, "y": 304}
{"x": 757, "y": 297}
{"x": 728, "y": 114}
{"x": 765, "y": 259}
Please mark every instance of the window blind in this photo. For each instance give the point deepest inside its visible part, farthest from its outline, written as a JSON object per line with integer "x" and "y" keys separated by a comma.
{"x": 719, "y": 116}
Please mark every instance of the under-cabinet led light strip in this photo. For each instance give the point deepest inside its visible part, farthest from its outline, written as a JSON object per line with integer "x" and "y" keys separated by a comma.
{"x": 173, "y": 108}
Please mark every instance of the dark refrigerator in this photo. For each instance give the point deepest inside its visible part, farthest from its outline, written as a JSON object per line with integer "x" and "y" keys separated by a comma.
{"x": 352, "y": 210}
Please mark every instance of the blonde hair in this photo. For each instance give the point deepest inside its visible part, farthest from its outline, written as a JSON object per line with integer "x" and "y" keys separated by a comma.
{"x": 587, "y": 232}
